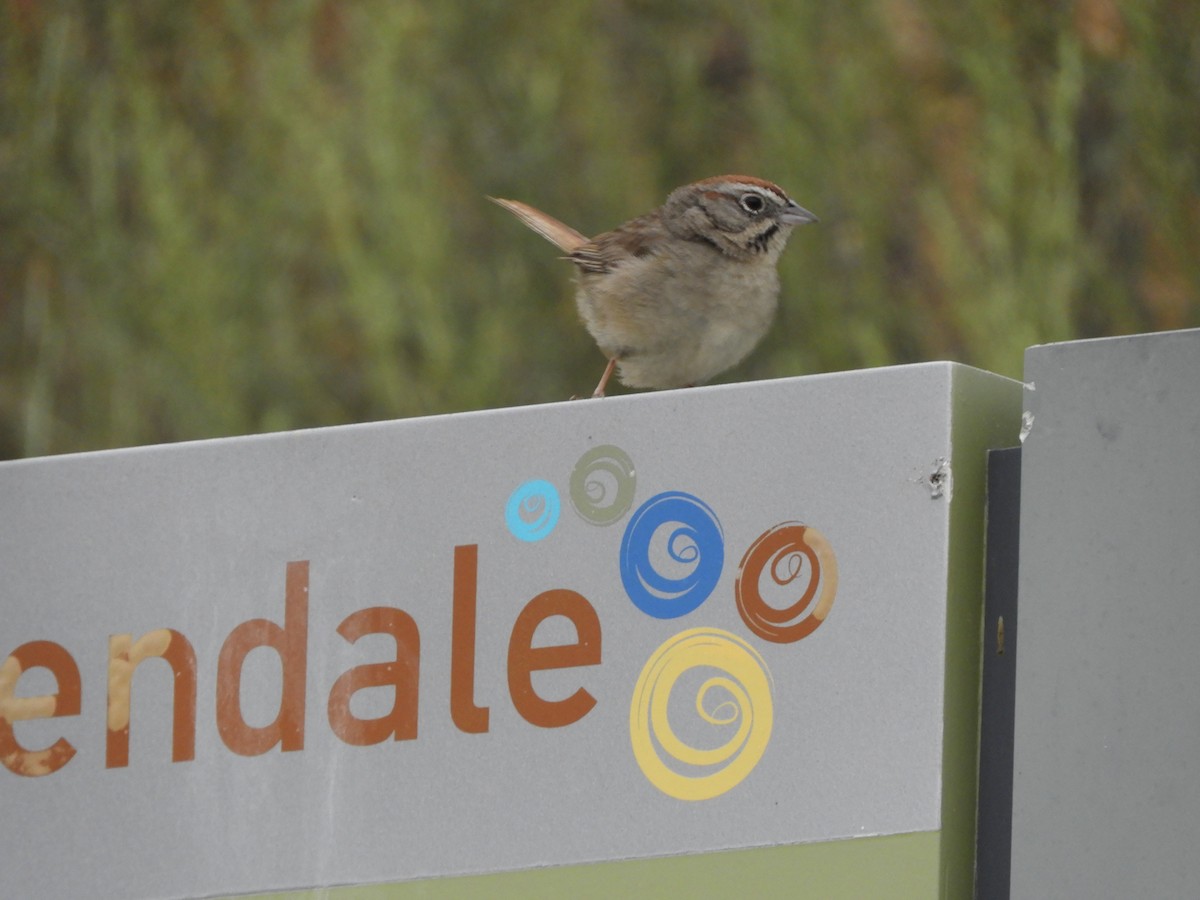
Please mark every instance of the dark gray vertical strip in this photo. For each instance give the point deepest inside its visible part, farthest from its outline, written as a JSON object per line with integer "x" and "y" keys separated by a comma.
{"x": 993, "y": 850}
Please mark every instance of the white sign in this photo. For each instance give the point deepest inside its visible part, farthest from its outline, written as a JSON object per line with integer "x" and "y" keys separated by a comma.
{"x": 593, "y": 630}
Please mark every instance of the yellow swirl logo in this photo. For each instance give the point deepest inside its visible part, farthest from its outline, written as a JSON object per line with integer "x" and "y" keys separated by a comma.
{"x": 733, "y": 701}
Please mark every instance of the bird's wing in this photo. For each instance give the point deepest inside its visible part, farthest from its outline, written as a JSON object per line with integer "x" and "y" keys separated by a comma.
{"x": 608, "y": 251}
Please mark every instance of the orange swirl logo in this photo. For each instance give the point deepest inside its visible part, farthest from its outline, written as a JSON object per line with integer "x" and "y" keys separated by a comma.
{"x": 735, "y": 701}
{"x": 785, "y": 553}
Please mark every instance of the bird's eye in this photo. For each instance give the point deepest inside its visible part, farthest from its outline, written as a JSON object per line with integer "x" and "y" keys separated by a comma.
{"x": 753, "y": 203}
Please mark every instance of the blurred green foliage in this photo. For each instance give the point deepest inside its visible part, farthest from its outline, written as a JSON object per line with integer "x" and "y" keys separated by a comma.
{"x": 231, "y": 217}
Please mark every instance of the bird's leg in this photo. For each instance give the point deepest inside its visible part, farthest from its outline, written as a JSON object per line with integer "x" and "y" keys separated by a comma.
{"x": 608, "y": 370}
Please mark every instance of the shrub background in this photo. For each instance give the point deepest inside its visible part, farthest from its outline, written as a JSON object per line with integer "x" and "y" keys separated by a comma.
{"x": 228, "y": 217}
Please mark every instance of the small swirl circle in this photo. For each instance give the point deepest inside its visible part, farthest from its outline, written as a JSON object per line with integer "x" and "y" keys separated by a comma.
{"x": 602, "y": 485}
{"x": 672, "y": 554}
{"x": 532, "y": 510}
{"x": 786, "y": 553}
{"x": 736, "y": 703}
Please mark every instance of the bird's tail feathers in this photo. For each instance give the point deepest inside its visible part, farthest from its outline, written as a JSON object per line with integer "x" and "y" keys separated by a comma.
{"x": 561, "y": 235}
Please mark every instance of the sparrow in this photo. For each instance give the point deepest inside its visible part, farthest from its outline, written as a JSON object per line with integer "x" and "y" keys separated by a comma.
{"x": 679, "y": 295}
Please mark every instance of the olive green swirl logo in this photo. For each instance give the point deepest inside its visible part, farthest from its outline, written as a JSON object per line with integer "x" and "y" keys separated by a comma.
{"x": 603, "y": 484}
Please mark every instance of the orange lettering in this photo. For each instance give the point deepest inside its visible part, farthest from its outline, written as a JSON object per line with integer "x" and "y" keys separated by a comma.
{"x": 46, "y": 655}
{"x": 524, "y": 658}
{"x": 402, "y": 675}
{"x": 124, "y": 656}
{"x": 291, "y": 643}
{"x": 466, "y": 715}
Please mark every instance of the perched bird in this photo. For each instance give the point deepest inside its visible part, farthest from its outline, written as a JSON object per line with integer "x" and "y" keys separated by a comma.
{"x": 682, "y": 293}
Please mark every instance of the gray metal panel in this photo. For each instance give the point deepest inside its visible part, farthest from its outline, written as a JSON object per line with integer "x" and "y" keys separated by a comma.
{"x": 1107, "y": 759}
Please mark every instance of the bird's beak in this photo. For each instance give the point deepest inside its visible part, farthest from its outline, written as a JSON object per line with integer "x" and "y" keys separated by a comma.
{"x": 795, "y": 214}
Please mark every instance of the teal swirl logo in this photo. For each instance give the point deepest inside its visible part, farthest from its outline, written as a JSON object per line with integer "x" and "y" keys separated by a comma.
{"x": 532, "y": 510}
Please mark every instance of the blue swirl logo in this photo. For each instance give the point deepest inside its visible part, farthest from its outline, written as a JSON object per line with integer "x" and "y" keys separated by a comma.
{"x": 671, "y": 555}
{"x": 532, "y": 510}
